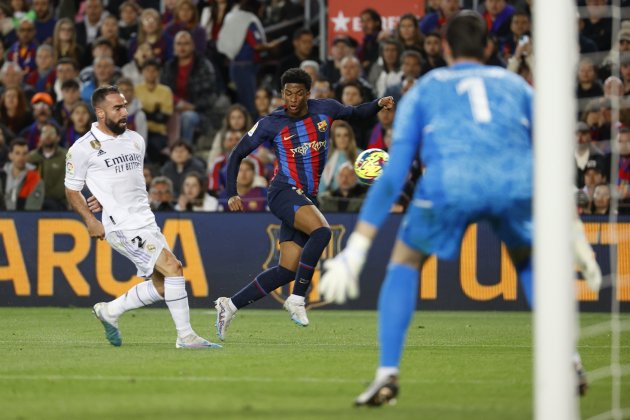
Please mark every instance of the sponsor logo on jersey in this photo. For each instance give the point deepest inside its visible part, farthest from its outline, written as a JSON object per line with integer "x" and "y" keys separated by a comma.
{"x": 313, "y": 299}
{"x": 305, "y": 147}
{"x": 287, "y": 138}
{"x": 322, "y": 125}
{"x": 251, "y": 132}
{"x": 96, "y": 145}
{"x": 101, "y": 152}
{"x": 124, "y": 162}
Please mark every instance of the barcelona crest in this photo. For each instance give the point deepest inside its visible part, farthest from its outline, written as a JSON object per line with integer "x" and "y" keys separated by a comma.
{"x": 313, "y": 299}
{"x": 322, "y": 125}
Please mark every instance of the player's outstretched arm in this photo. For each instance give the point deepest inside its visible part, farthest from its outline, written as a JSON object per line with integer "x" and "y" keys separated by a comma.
{"x": 78, "y": 204}
{"x": 341, "y": 276}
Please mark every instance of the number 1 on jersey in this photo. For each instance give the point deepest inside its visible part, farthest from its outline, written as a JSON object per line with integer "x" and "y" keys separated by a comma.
{"x": 477, "y": 97}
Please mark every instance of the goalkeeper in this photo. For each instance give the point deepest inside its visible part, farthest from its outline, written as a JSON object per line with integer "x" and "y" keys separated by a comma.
{"x": 471, "y": 126}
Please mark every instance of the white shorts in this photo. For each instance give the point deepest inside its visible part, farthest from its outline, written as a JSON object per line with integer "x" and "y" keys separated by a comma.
{"x": 141, "y": 246}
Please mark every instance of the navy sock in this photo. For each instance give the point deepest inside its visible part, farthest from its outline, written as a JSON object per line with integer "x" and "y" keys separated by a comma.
{"x": 264, "y": 283}
{"x": 317, "y": 242}
{"x": 524, "y": 271}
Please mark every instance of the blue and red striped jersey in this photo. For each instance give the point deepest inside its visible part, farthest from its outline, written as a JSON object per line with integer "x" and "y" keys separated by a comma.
{"x": 300, "y": 144}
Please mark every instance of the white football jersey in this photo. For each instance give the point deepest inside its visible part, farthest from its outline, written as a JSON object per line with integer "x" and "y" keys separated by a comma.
{"x": 112, "y": 168}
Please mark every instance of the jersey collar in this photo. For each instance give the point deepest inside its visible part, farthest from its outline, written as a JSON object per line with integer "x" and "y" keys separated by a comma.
{"x": 100, "y": 136}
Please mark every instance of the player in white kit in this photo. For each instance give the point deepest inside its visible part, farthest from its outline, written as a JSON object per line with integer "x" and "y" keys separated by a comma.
{"x": 109, "y": 160}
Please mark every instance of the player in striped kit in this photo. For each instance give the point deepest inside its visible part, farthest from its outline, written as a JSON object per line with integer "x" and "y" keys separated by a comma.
{"x": 109, "y": 160}
{"x": 299, "y": 132}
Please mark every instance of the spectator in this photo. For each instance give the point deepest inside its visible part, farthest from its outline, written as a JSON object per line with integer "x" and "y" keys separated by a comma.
{"x": 50, "y": 160}
{"x": 14, "y": 112}
{"x": 43, "y": 78}
{"x": 87, "y": 29}
{"x": 212, "y": 17}
{"x": 584, "y": 152}
{"x": 242, "y": 39}
{"x": 136, "y": 118}
{"x": 302, "y": 50}
{"x": 151, "y": 31}
{"x": 594, "y": 174}
{"x": 351, "y": 72}
{"x": 352, "y": 94}
{"x": 217, "y": 169}
{"x": 23, "y": 50}
{"x": 66, "y": 70}
{"x": 520, "y": 26}
{"x": 312, "y": 68}
{"x": 588, "y": 86}
{"x": 104, "y": 74}
{"x": 168, "y": 11}
{"x": 386, "y": 71}
{"x": 408, "y": 33}
{"x": 411, "y": 66}
{"x": 522, "y": 62}
{"x": 348, "y": 196}
{"x": 129, "y": 15}
{"x": 109, "y": 31}
{"x": 80, "y": 123}
{"x": 44, "y": 21}
{"x": 161, "y": 194}
{"x": 100, "y": 48}
{"x": 368, "y": 51}
{"x": 434, "y": 21}
{"x": 133, "y": 69}
{"x": 343, "y": 148}
{"x": 254, "y": 197}
{"x": 262, "y": 102}
{"x": 42, "y": 113}
{"x": 596, "y": 26}
{"x": 70, "y": 96}
{"x": 433, "y": 52}
{"x": 498, "y": 16}
{"x": 157, "y": 104}
{"x": 236, "y": 119}
{"x": 609, "y": 65}
{"x": 186, "y": 18}
{"x": 65, "y": 42}
{"x": 192, "y": 80}
{"x": 625, "y": 73}
{"x": 23, "y": 188}
{"x": 342, "y": 46}
{"x": 322, "y": 89}
{"x": 601, "y": 199}
{"x": 623, "y": 175}
{"x": 4, "y": 154}
{"x": 381, "y": 136}
{"x": 193, "y": 195}
{"x": 181, "y": 162}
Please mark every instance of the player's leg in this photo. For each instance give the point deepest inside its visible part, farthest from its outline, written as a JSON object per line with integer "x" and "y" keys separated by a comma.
{"x": 396, "y": 304}
{"x": 263, "y": 284}
{"x": 169, "y": 268}
{"x": 310, "y": 221}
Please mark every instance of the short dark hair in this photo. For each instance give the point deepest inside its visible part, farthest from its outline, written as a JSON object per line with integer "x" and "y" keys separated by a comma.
{"x": 301, "y": 31}
{"x": 18, "y": 141}
{"x": 466, "y": 34}
{"x": 151, "y": 62}
{"x": 68, "y": 60}
{"x": 124, "y": 81}
{"x": 296, "y": 75}
{"x": 182, "y": 143}
{"x": 100, "y": 93}
{"x": 355, "y": 84}
{"x": 102, "y": 41}
{"x": 70, "y": 84}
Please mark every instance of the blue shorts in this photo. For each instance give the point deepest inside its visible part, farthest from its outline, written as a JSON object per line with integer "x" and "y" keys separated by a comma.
{"x": 283, "y": 203}
{"x": 439, "y": 229}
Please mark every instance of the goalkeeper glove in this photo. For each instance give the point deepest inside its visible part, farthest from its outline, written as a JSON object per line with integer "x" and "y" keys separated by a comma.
{"x": 341, "y": 277}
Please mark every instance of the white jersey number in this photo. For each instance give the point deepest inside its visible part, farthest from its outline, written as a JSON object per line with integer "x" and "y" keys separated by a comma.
{"x": 478, "y": 98}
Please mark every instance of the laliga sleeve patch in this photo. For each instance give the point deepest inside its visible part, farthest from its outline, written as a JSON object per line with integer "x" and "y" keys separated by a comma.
{"x": 251, "y": 132}
{"x": 69, "y": 168}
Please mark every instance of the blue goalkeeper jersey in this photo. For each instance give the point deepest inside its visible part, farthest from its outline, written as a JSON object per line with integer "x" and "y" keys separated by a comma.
{"x": 470, "y": 124}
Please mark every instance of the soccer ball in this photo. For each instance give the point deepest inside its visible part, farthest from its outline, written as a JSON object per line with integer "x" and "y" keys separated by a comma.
{"x": 369, "y": 165}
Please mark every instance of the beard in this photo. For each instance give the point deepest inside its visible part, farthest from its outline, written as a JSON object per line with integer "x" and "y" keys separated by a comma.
{"x": 116, "y": 127}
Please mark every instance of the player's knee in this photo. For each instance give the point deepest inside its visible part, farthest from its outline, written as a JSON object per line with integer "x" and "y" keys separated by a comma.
{"x": 322, "y": 234}
{"x": 174, "y": 267}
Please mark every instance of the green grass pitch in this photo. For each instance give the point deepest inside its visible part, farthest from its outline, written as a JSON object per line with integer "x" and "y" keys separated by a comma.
{"x": 56, "y": 364}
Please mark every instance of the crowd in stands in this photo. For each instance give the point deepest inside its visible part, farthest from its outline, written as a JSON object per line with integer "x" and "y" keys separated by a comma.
{"x": 197, "y": 74}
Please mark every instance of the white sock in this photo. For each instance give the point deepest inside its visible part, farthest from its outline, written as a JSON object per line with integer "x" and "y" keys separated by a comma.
{"x": 386, "y": 372}
{"x": 231, "y": 305}
{"x": 297, "y": 298}
{"x": 142, "y": 294}
{"x": 177, "y": 301}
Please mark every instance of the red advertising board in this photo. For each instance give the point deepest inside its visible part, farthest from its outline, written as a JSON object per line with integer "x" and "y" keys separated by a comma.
{"x": 344, "y": 15}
